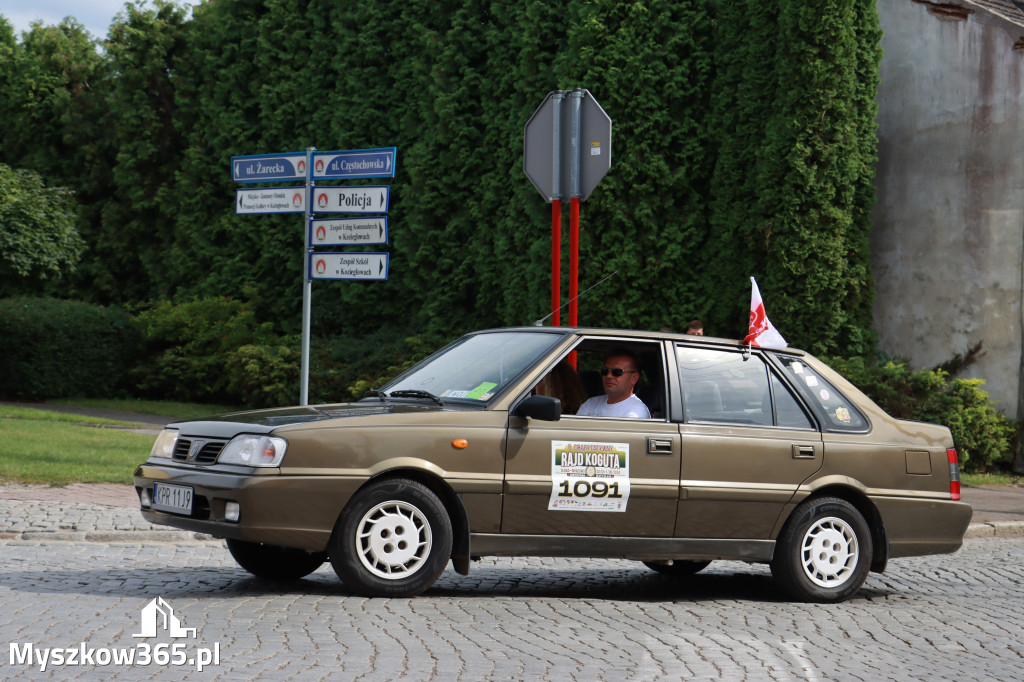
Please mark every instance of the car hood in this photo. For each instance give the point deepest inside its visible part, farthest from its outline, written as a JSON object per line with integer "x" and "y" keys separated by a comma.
{"x": 267, "y": 421}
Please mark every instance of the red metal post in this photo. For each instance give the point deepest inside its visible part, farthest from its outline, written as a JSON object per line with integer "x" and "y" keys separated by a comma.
{"x": 574, "y": 258}
{"x": 556, "y": 260}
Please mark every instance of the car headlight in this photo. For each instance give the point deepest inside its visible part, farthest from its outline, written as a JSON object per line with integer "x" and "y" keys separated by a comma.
{"x": 254, "y": 451}
{"x": 164, "y": 445}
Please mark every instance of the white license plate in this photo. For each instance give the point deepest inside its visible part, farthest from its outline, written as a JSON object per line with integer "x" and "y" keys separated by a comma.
{"x": 172, "y": 498}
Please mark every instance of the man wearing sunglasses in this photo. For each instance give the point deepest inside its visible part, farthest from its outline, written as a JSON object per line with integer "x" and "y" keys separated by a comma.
{"x": 618, "y": 376}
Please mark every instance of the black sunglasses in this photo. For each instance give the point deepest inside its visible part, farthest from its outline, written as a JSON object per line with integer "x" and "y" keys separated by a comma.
{"x": 615, "y": 371}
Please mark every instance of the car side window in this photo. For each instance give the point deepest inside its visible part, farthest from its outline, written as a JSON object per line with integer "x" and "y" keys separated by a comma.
{"x": 573, "y": 387}
{"x": 726, "y": 387}
{"x": 838, "y": 411}
{"x": 722, "y": 386}
{"x": 788, "y": 412}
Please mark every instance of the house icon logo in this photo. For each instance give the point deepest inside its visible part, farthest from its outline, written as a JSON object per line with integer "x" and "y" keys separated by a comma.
{"x": 158, "y": 615}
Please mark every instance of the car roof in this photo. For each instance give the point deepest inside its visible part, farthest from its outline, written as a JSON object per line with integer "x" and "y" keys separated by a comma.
{"x": 633, "y": 333}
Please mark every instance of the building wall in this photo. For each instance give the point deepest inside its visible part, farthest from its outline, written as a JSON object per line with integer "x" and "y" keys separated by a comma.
{"x": 948, "y": 236}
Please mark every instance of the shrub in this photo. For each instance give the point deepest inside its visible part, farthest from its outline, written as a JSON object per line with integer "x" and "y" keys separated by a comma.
{"x": 346, "y": 367}
{"x": 189, "y": 348}
{"x": 265, "y": 376}
{"x": 52, "y": 348}
{"x": 982, "y": 435}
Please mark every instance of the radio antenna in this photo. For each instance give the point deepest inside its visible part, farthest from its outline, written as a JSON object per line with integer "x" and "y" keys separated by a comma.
{"x": 541, "y": 321}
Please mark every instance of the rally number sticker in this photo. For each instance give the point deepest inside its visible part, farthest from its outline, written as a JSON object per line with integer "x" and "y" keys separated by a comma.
{"x": 589, "y": 476}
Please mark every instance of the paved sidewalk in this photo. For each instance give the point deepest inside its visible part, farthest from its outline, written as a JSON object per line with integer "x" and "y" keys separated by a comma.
{"x": 81, "y": 512}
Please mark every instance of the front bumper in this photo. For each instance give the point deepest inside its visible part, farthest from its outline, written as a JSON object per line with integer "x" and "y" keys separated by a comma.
{"x": 290, "y": 511}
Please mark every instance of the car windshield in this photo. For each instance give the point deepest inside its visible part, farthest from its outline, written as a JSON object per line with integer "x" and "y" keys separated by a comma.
{"x": 477, "y": 367}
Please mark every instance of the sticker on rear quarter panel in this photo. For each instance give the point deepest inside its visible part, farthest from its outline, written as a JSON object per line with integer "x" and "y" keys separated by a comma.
{"x": 589, "y": 476}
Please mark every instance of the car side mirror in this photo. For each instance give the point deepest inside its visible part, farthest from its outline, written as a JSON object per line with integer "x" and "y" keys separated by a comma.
{"x": 545, "y": 407}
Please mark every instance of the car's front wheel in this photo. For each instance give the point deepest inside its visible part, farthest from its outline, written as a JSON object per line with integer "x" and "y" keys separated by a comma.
{"x": 394, "y": 539}
{"x": 274, "y": 562}
{"x": 824, "y": 552}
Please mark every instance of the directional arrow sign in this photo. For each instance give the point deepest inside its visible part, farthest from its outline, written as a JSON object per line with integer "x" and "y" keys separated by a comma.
{"x": 348, "y": 231}
{"x": 372, "y": 266}
{"x": 268, "y": 167}
{"x": 270, "y": 200}
{"x": 365, "y": 199}
{"x": 357, "y": 163}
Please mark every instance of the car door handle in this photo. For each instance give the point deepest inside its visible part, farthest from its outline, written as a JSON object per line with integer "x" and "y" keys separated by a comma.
{"x": 659, "y": 446}
{"x": 803, "y": 451}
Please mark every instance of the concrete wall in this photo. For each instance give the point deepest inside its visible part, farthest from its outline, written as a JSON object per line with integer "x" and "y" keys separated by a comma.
{"x": 948, "y": 236}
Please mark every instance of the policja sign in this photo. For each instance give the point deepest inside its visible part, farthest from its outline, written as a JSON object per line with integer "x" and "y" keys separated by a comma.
{"x": 358, "y": 199}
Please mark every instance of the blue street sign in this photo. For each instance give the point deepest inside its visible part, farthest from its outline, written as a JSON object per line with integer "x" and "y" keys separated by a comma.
{"x": 369, "y": 266}
{"x": 338, "y": 231}
{"x": 359, "y": 199}
{"x": 269, "y": 167}
{"x": 355, "y": 163}
{"x": 270, "y": 200}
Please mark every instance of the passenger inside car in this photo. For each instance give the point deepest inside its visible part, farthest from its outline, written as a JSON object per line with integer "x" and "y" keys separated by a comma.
{"x": 563, "y": 383}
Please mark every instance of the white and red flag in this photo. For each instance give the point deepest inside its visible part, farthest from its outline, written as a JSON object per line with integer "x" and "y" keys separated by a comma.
{"x": 761, "y": 332}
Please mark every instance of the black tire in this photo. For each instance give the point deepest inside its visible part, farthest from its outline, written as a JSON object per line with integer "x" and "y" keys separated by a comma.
{"x": 274, "y": 562}
{"x": 394, "y": 539}
{"x": 824, "y": 552}
{"x": 678, "y": 567}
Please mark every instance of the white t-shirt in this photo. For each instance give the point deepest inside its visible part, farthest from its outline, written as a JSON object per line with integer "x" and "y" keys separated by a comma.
{"x": 630, "y": 408}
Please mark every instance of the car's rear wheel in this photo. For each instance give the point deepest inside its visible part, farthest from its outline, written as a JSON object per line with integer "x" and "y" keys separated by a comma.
{"x": 678, "y": 567}
{"x": 824, "y": 552}
{"x": 274, "y": 562}
{"x": 393, "y": 540}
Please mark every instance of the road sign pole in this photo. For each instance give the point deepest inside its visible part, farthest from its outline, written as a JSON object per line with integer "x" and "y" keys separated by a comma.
{"x": 556, "y": 260}
{"x": 574, "y": 258}
{"x": 307, "y": 284}
{"x": 576, "y": 98}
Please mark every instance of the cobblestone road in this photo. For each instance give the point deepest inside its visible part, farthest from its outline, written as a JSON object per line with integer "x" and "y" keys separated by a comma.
{"x": 949, "y": 617}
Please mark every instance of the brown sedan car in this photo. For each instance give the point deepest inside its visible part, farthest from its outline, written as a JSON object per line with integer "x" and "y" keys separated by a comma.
{"x": 758, "y": 455}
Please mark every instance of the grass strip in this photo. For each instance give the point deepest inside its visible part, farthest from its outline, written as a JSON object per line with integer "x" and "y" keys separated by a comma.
{"x": 180, "y": 411}
{"x": 59, "y": 453}
{"x": 30, "y": 414}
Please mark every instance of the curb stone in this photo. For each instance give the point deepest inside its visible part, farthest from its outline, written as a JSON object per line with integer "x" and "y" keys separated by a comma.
{"x": 995, "y": 529}
{"x": 136, "y": 536}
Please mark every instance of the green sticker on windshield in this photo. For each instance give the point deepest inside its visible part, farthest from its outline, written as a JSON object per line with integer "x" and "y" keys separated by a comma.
{"x": 480, "y": 392}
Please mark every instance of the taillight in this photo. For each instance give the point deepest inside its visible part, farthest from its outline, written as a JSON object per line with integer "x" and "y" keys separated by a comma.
{"x": 954, "y": 474}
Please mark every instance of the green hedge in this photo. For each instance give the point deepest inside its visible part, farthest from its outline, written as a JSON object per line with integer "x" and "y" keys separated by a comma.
{"x": 983, "y": 436}
{"x": 344, "y": 368}
{"x": 213, "y": 350}
{"x": 216, "y": 350}
{"x": 52, "y": 348}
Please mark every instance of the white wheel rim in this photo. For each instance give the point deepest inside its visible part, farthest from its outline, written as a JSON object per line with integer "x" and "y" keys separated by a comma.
{"x": 829, "y": 552}
{"x": 393, "y": 540}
